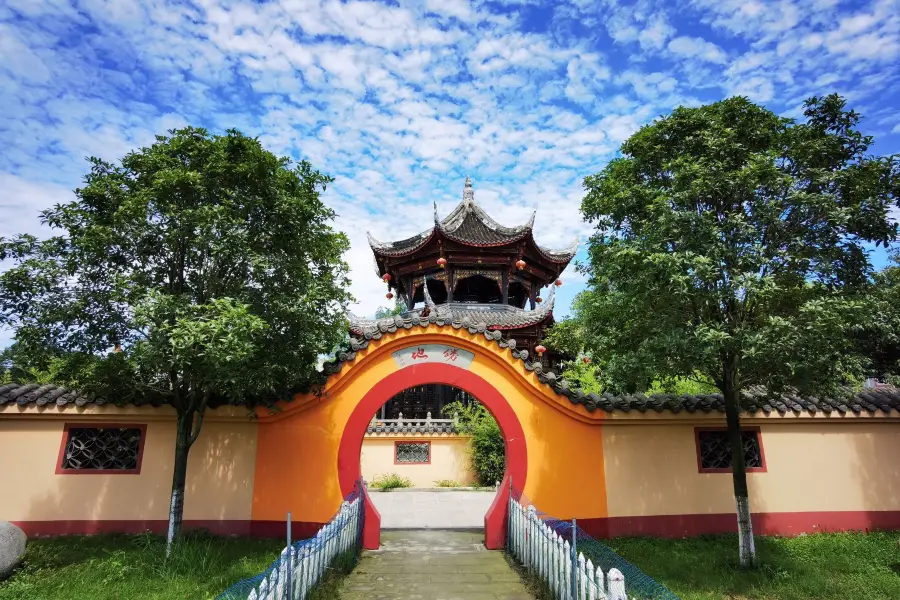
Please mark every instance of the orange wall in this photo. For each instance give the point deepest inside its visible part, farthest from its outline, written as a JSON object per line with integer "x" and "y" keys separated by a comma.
{"x": 811, "y": 465}
{"x": 220, "y": 473}
{"x": 448, "y": 454}
{"x": 296, "y": 467}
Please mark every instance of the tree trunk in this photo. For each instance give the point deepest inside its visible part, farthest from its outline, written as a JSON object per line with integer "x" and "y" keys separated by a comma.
{"x": 731, "y": 393}
{"x": 179, "y": 476}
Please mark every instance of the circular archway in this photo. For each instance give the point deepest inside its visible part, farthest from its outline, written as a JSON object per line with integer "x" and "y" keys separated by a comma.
{"x": 516, "y": 454}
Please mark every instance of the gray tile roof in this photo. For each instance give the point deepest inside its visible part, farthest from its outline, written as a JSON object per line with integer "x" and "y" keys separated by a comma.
{"x": 33, "y": 393}
{"x": 410, "y": 427}
{"x": 491, "y": 316}
{"x": 754, "y": 402}
{"x": 468, "y": 223}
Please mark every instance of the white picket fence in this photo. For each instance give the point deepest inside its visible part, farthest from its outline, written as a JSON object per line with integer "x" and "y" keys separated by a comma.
{"x": 302, "y": 565}
{"x": 550, "y": 557}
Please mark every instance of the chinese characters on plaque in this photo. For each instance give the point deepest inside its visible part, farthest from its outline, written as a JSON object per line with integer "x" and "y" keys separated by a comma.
{"x": 433, "y": 353}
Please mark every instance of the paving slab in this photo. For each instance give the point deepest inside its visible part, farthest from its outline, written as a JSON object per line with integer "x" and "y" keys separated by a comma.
{"x": 432, "y": 509}
{"x": 433, "y": 565}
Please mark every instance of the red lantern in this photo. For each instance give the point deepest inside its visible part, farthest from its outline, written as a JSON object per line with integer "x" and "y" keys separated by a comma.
{"x": 520, "y": 264}
{"x": 389, "y": 295}
{"x": 386, "y": 277}
{"x": 538, "y": 299}
{"x": 558, "y": 282}
{"x": 540, "y": 349}
{"x": 442, "y": 262}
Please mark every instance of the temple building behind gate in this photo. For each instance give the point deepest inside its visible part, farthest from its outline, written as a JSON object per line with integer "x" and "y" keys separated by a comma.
{"x": 467, "y": 267}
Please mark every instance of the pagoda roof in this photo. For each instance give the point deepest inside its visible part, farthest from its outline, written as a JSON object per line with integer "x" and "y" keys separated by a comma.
{"x": 486, "y": 316}
{"x": 469, "y": 224}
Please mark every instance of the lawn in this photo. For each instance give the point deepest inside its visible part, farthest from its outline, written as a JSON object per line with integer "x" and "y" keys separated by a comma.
{"x": 845, "y": 565}
{"x": 135, "y": 568}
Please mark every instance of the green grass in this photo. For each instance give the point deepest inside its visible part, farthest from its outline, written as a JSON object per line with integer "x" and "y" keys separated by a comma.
{"x": 820, "y": 566}
{"x": 447, "y": 483}
{"x": 119, "y": 567}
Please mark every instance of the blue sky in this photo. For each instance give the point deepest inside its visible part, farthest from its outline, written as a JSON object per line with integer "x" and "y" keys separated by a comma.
{"x": 400, "y": 100}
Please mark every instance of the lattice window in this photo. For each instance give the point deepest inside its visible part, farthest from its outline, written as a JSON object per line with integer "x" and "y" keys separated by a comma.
{"x": 102, "y": 449}
{"x": 715, "y": 450}
{"x": 413, "y": 452}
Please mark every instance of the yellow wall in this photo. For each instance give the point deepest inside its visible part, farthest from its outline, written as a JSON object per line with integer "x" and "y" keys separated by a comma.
{"x": 220, "y": 473}
{"x": 580, "y": 464}
{"x": 296, "y": 468}
{"x": 449, "y": 460}
{"x": 839, "y": 465}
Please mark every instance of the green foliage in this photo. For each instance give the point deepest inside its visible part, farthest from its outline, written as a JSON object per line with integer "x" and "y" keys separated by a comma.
{"x": 447, "y": 483}
{"x": 730, "y": 240}
{"x": 209, "y": 262}
{"x": 732, "y": 243}
{"x": 383, "y": 311}
{"x": 697, "y": 384}
{"x": 111, "y": 567}
{"x": 879, "y": 339}
{"x": 584, "y": 375}
{"x": 390, "y": 481}
{"x": 487, "y": 449}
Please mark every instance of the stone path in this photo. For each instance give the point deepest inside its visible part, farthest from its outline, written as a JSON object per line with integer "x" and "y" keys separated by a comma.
{"x": 433, "y": 565}
{"x": 401, "y": 509}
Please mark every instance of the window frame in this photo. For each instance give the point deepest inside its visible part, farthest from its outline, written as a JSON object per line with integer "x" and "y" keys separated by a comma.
{"x": 759, "y": 442}
{"x": 412, "y": 441}
{"x": 89, "y": 425}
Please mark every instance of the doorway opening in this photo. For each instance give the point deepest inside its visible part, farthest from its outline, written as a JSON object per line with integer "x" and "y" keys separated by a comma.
{"x": 368, "y": 409}
{"x": 432, "y": 458}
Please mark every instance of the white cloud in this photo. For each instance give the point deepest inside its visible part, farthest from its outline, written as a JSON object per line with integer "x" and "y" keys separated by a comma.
{"x": 694, "y": 47}
{"x": 400, "y": 100}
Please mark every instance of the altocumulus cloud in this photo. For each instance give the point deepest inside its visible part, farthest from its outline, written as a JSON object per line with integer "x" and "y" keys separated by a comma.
{"x": 400, "y": 101}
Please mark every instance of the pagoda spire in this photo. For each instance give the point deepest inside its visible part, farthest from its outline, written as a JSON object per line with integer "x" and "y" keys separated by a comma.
{"x": 468, "y": 193}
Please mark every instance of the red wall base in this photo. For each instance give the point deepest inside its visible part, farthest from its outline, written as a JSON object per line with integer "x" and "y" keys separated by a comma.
{"x": 783, "y": 524}
{"x": 666, "y": 526}
{"x": 263, "y": 529}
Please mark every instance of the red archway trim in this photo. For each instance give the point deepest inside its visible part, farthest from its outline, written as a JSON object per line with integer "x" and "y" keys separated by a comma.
{"x": 516, "y": 454}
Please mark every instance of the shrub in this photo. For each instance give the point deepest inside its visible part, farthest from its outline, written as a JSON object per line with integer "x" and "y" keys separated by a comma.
{"x": 487, "y": 450}
{"x": 390, "y": 481}
{"x": 447, "y": 483}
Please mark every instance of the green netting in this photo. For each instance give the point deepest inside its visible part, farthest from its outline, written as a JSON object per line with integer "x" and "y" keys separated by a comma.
{"x": 638, "y": 585}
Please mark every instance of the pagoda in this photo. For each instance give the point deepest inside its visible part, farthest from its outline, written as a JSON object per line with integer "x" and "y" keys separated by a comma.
{"x": 468, "y": 268}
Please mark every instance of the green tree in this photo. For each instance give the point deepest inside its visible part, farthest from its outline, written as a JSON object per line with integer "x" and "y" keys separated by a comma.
{"x": 202, "y": 270}
{"x": 730, "y": 243}
{"x": 879, "y": 339}
{"x": 487, "y": 449}
{"x": 383, "y": 311}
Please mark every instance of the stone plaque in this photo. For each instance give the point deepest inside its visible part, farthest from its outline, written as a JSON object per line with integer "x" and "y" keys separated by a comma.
{"x": 433, "y": 353}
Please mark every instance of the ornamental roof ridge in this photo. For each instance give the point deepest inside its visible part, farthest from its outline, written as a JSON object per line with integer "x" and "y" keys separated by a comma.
{"x": 486, "y": 316}
{"x": 561, "y": 254}
{"x": 753, "y": 401}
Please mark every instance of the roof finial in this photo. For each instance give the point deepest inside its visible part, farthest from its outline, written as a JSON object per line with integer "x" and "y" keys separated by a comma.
{"x": 468, "y": 192}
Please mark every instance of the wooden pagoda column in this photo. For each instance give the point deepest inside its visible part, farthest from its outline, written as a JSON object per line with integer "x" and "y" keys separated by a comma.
{"x": 410, "y": 297}
{"x": 451, "y": 278}
{"x": 532, "y": 294}
{"x": 504, "y": 285}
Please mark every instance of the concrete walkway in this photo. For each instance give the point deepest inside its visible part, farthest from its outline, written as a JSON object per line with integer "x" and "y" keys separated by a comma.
{"x": 433, "y": 565}
{"x": 439, "y": 509}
